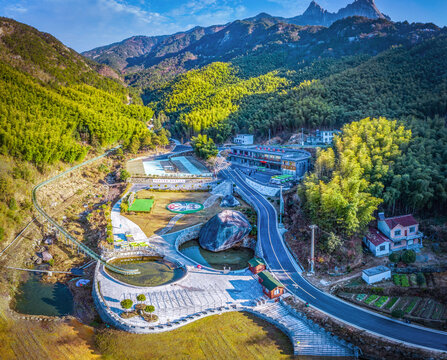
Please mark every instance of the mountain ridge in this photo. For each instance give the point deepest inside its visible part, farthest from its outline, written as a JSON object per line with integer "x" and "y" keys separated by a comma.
{"x": 317, "y": 15}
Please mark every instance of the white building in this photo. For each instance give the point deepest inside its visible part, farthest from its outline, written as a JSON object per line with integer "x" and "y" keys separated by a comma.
{"x": 243, "y": 139}
{"x": 376, "y": 274}
{"x": 327, "y": 136}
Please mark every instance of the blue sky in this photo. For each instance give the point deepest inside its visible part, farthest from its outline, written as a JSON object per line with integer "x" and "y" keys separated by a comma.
{"x": 85, "y": 24}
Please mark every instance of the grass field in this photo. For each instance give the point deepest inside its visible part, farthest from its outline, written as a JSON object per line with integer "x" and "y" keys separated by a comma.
{"x": 229, "y": 336}
{"x": 135, "y": 167}
{"x": 142, "y": 205}
{"x": 160, "y": 216}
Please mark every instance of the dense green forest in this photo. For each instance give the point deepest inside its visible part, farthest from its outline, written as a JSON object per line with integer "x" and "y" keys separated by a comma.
{"x": 404, "y": 83}
{"x": 56, "y": 106}
{"x": 352, "y": 177}
{"x": 201, "y": 101}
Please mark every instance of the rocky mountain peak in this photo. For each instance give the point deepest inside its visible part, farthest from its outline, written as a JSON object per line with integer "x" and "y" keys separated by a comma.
{"x": 316, "y": 15}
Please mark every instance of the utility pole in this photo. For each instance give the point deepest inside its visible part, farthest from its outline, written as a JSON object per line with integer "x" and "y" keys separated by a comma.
{"x": 312, "y": 249}
{"x": 281, "y": 206}
{"x": 269, "y": 136}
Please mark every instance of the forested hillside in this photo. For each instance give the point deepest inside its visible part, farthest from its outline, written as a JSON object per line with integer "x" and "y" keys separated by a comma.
{"x": 201, "y": 101}
{"x": 56, "y": 106}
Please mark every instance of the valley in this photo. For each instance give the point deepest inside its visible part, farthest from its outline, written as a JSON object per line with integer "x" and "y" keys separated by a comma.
{"x": 267, "y": 186}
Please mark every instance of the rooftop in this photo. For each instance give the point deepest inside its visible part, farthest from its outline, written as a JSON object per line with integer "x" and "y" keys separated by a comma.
{"x": 376, "y": 270}
{"x": 376, "y": 237}
{"x": 403, "y": 220}
{"x": 284, "y": 153}
{"x": 268, "y": 281}
{"x": 255, "y": 262}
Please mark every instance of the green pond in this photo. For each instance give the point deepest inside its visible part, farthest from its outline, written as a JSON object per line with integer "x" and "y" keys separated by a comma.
{"x": 37, "y": 298}
{"x": 234, "y": 258}
{"x": 154, "y": 271}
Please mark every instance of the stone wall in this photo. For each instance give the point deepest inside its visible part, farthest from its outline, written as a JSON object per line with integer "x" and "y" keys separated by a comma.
{"x": 263, "y": 189}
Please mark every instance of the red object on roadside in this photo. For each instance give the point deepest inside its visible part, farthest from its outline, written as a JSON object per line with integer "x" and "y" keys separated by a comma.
{"x": 199, "y": 266}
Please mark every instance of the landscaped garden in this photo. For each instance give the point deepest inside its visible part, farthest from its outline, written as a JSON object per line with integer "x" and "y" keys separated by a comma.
{"x": 159, "y": 216}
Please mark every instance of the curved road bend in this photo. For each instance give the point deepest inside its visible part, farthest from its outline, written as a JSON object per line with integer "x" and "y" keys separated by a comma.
{"x": 285, "y": 268}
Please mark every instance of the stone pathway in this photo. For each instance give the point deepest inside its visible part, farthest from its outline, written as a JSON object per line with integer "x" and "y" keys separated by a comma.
{"x": 122, "y": 226}
{"x": 307, "y": 337}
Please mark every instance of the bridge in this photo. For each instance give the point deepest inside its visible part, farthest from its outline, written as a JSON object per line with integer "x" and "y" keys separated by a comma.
{"x": 43, "y": 216}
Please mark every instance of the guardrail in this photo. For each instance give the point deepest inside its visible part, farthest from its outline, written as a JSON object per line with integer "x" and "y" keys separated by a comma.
{"x": 59, "y": 228}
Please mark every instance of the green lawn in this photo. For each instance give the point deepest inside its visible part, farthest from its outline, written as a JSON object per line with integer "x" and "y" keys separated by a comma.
{"x": 142, "y": 205}
{"x": 232, "y": 335}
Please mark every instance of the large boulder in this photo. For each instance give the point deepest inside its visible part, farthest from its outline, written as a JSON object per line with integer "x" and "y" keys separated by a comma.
{"x": 224, "y": 230}
{"x": 229, "y": 201}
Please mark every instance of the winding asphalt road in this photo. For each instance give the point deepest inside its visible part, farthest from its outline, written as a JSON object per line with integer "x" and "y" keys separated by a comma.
{"x": 286, "y": 269}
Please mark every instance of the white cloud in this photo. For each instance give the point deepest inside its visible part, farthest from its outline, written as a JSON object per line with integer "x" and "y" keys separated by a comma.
{"x": 118, "y": 6}
{"x": 12, "y": 10}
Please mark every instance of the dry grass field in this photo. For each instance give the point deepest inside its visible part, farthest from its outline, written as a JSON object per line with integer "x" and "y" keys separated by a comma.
{"x": 229, "y": 336}
{"x": 160, "y": 216}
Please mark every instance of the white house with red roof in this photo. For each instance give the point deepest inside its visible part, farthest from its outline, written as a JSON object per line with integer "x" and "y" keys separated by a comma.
{"x": 394, "y": 234}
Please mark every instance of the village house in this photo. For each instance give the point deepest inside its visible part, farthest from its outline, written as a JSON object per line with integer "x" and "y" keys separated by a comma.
{"x": 256, "y": 265}
{"x": 271, "y": 287}
{"x": 394, "y": 234}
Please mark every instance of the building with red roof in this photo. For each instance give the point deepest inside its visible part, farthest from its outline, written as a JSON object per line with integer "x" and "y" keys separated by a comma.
{"x": 394, "y": 234}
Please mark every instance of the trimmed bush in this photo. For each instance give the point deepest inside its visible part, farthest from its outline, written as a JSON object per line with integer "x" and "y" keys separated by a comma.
{"x": 409, "y": 256}
{"x": 394, "y": 257}
{"x": 398, "y": 313}
{"x": 396, "y": 280}
{"x": 126, "y": 304}
{"x": 141, "y": 297}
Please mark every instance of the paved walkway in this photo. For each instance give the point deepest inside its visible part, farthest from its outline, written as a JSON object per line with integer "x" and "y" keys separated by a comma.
{"x": 204, "y": 292}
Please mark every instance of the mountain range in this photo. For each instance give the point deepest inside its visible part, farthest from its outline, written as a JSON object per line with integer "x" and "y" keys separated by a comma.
{"x": 316, "y": 15}
{"x": 224, "y": 42}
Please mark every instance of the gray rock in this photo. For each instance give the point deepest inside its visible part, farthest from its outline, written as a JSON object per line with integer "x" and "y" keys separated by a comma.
{"x": 224, "y": 231}
{"x": 46, "y": 256}
{"x": 229, "y": 201}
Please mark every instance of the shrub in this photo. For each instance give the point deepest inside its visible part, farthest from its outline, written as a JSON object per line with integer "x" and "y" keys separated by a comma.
{"x": 141, "y": 297}
{"x": 394, "y": 257}
{"x": 409, "y": 256}
{"x": 2, "y": 233}
{"x": 126, "y": 303}
{"x": 150, "y": 309}
{"x": 396, "y": 280}
{"x": 124, "y": 175}
{"x": 398, "y": 313}
{"x": 51, "y": 262}
{"x": 420, "y": 279}
{"x": 377, "y": 290}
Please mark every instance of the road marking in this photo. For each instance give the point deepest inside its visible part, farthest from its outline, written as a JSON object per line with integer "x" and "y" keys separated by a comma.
{"x": 270, "y": 239}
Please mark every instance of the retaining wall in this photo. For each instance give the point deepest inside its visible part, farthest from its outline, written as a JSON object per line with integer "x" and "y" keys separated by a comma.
{"x": 263, "y": 189}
